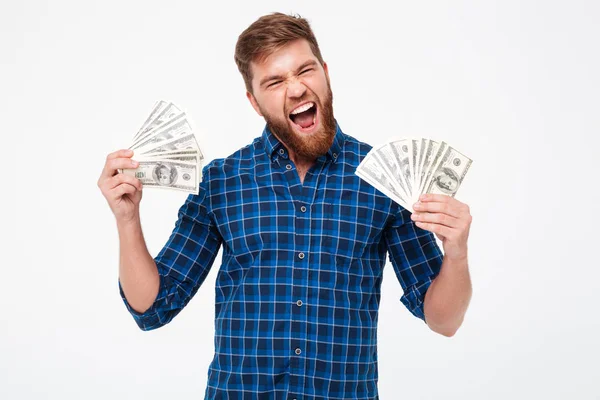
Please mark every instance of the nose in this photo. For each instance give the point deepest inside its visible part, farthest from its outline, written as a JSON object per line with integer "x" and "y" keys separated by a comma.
{"x": 296, "y": 89}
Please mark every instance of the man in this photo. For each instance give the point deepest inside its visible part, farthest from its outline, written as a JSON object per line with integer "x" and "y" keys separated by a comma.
{"x": 304, "y": 240}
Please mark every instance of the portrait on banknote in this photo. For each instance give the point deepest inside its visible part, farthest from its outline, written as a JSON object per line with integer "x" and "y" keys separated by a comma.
{"x": 164, "y": 175}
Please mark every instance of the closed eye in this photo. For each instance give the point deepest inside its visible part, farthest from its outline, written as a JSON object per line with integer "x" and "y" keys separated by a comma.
{"x": 274, "y": 84}
{"x": 306, "y": 70}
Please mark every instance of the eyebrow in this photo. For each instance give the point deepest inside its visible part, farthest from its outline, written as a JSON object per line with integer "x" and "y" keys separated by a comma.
{"x": 300, "y": 68}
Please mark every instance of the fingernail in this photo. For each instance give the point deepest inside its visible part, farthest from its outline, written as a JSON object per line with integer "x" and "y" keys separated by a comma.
{"x": 417, "y": 205}
{"x": 134, "y": 163}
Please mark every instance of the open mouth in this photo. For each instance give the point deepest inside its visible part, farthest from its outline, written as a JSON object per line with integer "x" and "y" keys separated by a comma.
{"x": 304, "y": 116}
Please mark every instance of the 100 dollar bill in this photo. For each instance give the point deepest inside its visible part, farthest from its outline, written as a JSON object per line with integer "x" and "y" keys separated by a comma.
{"x": 449, "y": 172}
{"x": 161, "y": 114}
{"x": 167, "y": 174}
{"x": 176, "y": 127}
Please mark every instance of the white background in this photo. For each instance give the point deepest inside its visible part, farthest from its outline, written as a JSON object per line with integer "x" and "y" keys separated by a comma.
{"x": 513, "y": 84}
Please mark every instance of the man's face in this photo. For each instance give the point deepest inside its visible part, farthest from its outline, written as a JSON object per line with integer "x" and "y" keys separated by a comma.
{"x": 292, "y": 92}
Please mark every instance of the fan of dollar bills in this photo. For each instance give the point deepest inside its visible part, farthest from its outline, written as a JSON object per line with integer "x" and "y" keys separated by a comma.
{"x": 404, "y": 169}
{"x": 167, "y": 151}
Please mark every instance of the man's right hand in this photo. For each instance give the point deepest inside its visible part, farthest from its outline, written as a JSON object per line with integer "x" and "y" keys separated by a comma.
{"x": 123, "y": 192}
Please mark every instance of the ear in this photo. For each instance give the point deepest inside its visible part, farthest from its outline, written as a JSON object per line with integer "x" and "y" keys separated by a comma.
{"x": 326, "y": 69}
{"x": 250, "y": 97}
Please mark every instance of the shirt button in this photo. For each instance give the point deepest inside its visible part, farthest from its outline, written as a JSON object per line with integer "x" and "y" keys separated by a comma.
{"x": 298, "y": 351}
{"x": 334, "y": 155}
{"x": 288, "y": 166}
{"x": 303, "y": 209}
{"x": 299, "y": 303}
{"x": 281, "y": 151}
{"x": 301, "y": 256}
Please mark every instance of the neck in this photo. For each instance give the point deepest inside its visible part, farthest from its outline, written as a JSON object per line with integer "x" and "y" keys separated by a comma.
{"x": 302, "y": 164}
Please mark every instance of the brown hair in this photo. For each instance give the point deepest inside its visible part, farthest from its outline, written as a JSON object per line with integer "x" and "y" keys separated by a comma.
{"x": 268, "y": 34}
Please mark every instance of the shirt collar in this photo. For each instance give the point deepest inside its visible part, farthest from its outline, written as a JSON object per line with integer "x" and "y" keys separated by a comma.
{"x": 275, "y": 148}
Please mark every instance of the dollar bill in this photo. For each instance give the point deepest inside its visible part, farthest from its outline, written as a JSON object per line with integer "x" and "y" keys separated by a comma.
{"x": 432, "y": 164}
{"x": 179, "y": 156}
{"x": 186, "y": 142}
{"x": 166, "y": 112}
{"x": 194, "y": 152}
{"x": 450, "y": 172}
{"x": 422, "y": 144}
{"x": 401, "y": 152}
{"x": 414, "y": 149}
{"x": 386, "y": 156}
{"x": 370, "y": 170}
{"x": 175, "y": 127}
{"x": 157, "y": 108}
{"x": 429, "y": 154}
{"x": 189, "y": 158}
{"x": 167, "y": 174}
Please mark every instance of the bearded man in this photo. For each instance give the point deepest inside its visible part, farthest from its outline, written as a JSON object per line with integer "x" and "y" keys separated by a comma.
{"x": 304, "y": 240}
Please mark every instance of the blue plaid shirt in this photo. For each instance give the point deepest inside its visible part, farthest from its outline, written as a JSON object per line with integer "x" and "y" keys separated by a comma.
{"x": 297, "y": 294}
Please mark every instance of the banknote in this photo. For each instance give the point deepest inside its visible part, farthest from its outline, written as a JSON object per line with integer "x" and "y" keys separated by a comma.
{"x": 163, "y": 112}
{"x": 386, "y": 156}
{"x": 186, "y": 142}
{"x": 429, "y": 155}
{"x": 403, "y": 169}
{"x": 450, "y": 173}
{"x": 179, "y": 156}
{"x": 370, "y": 170}
{"x": 401, "y": 151}
{"x": 414, "y": 150}
{"x": 432, "y": 164}
{"x": 156, "y": 109}
{"x": 177, "y": 126}
{"x": 180, "y": 153}
{"x": 421, "y": 153}
{"x": 167, "y": 174}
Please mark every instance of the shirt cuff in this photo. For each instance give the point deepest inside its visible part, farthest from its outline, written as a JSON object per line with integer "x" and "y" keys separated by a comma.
{"x": 142, "y": 319}
{"x": 414, "y": 299}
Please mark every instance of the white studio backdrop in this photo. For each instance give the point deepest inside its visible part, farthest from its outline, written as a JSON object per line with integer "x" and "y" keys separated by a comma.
{"x": 513, "y": 84}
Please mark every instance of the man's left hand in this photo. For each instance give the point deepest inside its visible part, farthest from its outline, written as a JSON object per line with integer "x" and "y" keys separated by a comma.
{"x": 448, "y": 218}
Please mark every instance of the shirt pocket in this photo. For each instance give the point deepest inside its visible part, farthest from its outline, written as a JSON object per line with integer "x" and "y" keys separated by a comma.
{"x": 344, "y": 235}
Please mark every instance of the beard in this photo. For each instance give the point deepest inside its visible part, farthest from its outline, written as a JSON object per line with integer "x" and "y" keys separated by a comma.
{"x": 307, "y": 146}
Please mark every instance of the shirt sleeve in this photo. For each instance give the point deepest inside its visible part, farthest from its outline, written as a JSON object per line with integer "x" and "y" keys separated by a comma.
{"x": 416, "y": 258}
{"x": 183, "y": 263}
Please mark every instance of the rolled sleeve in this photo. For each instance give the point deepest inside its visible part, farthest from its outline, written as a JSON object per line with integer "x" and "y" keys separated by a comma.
{"x": 416, "y": 258}
{"x": 183, "y": 263}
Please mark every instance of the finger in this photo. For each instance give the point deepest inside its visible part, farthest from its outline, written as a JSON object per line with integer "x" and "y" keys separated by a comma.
{"x": 116, "y": 154}
{"x": 124, "y": 178}
{"x": 442, "y": 198}
{"x": 435, "y": 228}
{"x": 437, "y": 207}
{"x": 120, "y": 154}
{"x": 113, "y": 164}
{"x": 437, "y": 218}
{"x": 124, "y": 188}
